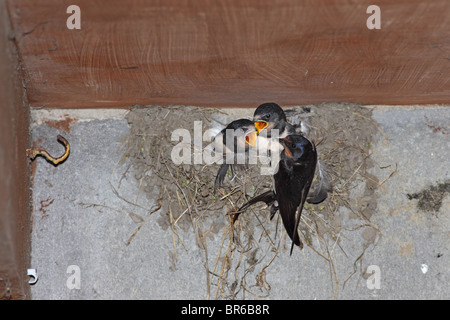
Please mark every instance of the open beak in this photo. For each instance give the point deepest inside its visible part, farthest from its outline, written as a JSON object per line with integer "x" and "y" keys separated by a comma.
{"x": 251, "y": 138}
{"x": 260, "y": 125}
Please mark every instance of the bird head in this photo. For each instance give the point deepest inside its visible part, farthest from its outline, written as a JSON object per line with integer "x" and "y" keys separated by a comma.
{"x": 296, "y": 147}
{"x": 243, "y": 131}
{"x": 269, "y": 116}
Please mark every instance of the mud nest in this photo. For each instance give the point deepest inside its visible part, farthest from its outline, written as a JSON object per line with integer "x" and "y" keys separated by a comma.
{"x": 344, "y": 137}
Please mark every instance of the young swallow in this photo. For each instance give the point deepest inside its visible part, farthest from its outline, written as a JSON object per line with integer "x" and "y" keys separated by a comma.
{"x": 291, "y": 184}
{"x": 234, "y": 140}
{"x": 269, "y": 116}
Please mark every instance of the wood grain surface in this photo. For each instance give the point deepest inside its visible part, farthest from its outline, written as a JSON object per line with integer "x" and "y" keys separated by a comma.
{"x": 232, "y": 53}
{"x": 15, "y": 184}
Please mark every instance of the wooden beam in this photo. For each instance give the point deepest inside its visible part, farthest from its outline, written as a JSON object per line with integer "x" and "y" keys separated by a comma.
{"x": 233, "y": 53}
{"x": 14, "y": 170}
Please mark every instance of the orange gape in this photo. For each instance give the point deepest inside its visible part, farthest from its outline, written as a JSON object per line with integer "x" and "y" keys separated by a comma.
{"x": 251, "y": 138}
{"x": 260, "y": 125}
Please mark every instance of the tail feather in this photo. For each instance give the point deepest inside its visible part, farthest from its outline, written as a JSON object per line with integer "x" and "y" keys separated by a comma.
{"x": 220, "y": 176}
{"x": 268, "y": 197}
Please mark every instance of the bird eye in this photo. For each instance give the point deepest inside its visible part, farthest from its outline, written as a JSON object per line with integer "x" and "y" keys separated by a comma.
{"x": 268, "y": 115}
{"x": 293, "y": 146}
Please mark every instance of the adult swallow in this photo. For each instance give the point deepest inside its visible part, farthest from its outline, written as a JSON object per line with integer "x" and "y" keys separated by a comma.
{"x": 234, "y": 140}
{"x": 269, "y": 116}
{"x": 292, "y": 182}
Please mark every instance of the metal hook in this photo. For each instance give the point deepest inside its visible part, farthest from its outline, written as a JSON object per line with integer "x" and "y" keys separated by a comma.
{"x": 36, "y": 152}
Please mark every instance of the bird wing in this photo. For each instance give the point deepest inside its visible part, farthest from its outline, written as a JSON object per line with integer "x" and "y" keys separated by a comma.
{"x": 292, "y": 182}
{"x": 287, "y": 205}
{"x": 296, "y": 239}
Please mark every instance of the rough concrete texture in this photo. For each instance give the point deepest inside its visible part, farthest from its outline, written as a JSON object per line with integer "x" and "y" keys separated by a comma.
{"x": 88, "y": 212}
